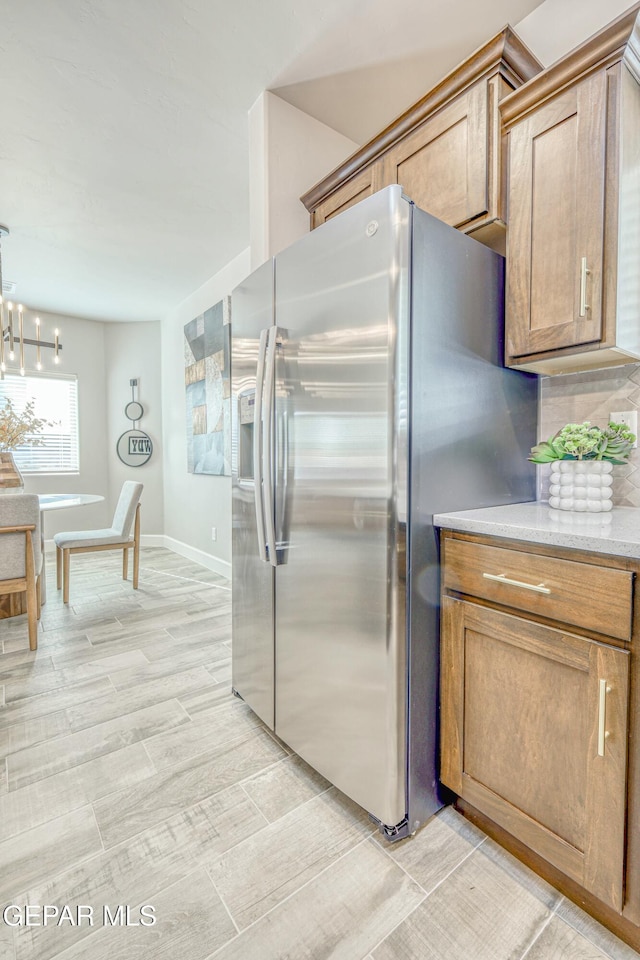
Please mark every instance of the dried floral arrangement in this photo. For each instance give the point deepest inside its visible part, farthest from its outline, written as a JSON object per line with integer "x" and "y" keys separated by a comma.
{"x": 20, "y": 429}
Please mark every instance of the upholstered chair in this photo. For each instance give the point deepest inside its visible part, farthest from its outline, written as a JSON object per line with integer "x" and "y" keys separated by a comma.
{"x": 21, "y": 554}
{"x": 116, "y": 537}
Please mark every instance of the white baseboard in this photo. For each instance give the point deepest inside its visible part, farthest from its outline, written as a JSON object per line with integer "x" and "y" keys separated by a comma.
{"x": 152, "y": 540}
{"x": 223, "y": 567}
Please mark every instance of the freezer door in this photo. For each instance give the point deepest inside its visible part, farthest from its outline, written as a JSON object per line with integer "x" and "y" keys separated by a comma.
{"x": 253, "y": 578}
{"x": 341, "y": 385}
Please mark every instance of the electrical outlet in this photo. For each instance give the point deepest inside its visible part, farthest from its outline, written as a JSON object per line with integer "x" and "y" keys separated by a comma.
{"x": 214, "y": 533}
{"x": 630, "y": 420}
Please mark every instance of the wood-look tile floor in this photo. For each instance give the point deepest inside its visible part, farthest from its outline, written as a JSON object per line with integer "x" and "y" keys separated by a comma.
{"x": 129, "y": 775}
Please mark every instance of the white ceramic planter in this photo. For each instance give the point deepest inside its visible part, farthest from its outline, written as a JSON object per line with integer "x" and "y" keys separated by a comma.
{"x": 584, "y": 486}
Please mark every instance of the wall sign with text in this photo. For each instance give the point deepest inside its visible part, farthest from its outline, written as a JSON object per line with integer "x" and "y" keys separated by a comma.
{"x": 134, "y": 448}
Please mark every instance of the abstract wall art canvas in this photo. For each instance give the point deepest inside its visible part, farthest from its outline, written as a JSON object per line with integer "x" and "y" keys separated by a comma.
{"x": 208, "y": 388}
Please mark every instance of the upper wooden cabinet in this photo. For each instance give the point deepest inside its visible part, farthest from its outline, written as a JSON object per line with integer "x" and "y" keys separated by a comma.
{"x": 573, "y": 132}
{"x": 445, "y": 151}
{"x": 362, "y": 185}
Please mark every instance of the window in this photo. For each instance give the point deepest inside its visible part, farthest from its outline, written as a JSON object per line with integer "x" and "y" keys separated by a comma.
{"x": 55, "y": 399}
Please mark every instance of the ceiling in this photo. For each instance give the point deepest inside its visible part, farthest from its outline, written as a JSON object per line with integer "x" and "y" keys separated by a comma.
{"x": 124, "y": 168}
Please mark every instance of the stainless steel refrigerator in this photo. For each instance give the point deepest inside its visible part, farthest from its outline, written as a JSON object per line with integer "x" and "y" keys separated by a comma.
{"x": 368, "y": 394}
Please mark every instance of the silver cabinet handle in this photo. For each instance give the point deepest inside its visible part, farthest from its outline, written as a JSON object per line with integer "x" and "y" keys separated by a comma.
{"x": 603, "y": 733}
{"x": 267, "y": 447}
{"x": 257, "y": 448}
{"x": 503, "y": 578}
{"x": 584, "y": 273}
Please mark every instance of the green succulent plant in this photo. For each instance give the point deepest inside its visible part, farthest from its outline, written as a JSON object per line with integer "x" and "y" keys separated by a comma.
{"x": 581, "y": 441}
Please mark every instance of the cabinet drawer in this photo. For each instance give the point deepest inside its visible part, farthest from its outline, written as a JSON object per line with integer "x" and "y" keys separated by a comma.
{"x": 595, "y": 598}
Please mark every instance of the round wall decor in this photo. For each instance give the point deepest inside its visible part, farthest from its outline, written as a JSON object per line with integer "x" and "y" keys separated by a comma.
{"x": 134, "y": 448}
{"x": 134, "y": 410}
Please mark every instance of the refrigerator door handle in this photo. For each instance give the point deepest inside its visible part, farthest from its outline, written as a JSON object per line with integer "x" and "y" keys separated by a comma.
{"x": 267, "y": 447}
{"x": 258, "y": 443}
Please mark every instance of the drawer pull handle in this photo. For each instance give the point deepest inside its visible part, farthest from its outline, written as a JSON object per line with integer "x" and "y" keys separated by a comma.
{"x": 503, "y": 578}
{"x": 584, "y": 273}
{"x": 603, "y": 734}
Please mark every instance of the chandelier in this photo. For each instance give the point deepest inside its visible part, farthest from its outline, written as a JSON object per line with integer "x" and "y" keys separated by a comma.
{"x": 13, "y": 317}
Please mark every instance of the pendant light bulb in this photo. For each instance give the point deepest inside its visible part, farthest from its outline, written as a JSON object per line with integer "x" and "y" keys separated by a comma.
{"x": 12, "y": 353}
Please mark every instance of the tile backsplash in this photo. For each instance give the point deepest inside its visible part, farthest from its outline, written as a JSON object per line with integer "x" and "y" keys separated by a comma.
{"x": 592, "y": 396}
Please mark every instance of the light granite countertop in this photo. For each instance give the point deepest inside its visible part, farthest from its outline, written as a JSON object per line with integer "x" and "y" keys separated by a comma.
{"x": 616, "y": 532}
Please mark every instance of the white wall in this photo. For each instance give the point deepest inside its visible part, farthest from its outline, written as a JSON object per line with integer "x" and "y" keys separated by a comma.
{"x": 289, "y": 151}
{"x": 132, "y": 351}
{"x": 83, "y": 354}
{"x": 193, "y": 503}
{"x": 557, "y": 26}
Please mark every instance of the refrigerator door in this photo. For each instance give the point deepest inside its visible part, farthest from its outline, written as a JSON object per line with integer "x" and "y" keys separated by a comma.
{"x": 253, "y": 575}
{"x": 342, "y": 299}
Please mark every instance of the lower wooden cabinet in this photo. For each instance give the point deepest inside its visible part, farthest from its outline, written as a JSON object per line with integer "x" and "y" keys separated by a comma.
{"x": 540, "y": 712}
{"x": 534, "y": 735}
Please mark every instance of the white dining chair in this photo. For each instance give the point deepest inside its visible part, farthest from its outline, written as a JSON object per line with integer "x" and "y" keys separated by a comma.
{"x": 116, "y": 537}
{"x": 21, "y": 554}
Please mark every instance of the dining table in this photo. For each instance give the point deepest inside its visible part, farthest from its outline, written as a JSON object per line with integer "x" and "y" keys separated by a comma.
{"x": 13, "y": 604}
{"x": 62, "y": 501}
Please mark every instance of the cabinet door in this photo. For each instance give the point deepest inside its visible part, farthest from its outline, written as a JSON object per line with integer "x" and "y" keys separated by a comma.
{"x": 365, "y": 183}
{"x": 534, "y": 734}
{"x": 556, "y": 222}
{"x": 443, "y": 166}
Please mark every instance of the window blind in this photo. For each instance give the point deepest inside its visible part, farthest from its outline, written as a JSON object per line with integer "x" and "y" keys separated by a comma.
{"x": 55, "y": 399}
